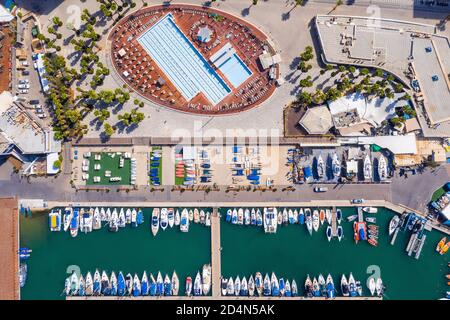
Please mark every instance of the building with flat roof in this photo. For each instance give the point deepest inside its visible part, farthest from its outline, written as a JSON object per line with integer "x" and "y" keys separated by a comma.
{"x": 317, "y": 120}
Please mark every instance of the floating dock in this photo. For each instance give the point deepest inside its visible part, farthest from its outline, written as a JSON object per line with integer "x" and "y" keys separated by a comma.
{"x": 216, "y": 270}
{"x": 230, "y": 298}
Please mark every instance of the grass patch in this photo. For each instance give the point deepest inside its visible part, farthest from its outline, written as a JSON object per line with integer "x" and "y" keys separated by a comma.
{"x": 437, "y": 194}
{"x": 109, "y": 162}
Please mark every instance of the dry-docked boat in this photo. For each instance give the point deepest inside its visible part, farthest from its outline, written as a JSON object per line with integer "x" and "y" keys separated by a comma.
{"x": 320, "y": 167}
{"x": 336, "y": 166}
{"x": 367, "y": 168}
{"x": 382, "y": 168}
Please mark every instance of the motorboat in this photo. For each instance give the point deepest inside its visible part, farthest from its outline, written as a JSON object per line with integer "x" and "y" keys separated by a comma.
{"x": 308, "y": 286}
{"x": 104, "y": 283}
{"x": 294, "y": 288}
{"x": 54, "y": 220}
{"x": 270, "y": 220}
{"x": 145, "y": 287}
{"x": 247, "y": 219}
{"x": 96, "y": 220}
{"x": 267, "y": 289}
{"x": 155, "y": 221}
{"x": 188, "y": 286}
{"x": 382, "y": 168}
{"x": 344, "y": 286}
{"x": 282, "y": 286}
{"x": 394, "y": 224}
{"x": 202, "y": 216}
{"x": 251, "y": 286}
{"x": 163, "y": 219}
{"x": 360, "y": 231}
{"x": 301, "y": 216}
{"x": 129, "y": 284}
{"x": 228, "y": 215}
{"x": 223, "y": 286}
{"x": 171, "y": 217}
{"x": 134, "y": 223}
{"x": 370, "y": 209}
{"x": 240, "y": 216}
{"x": 379, "y": 287}
{"x": 352, "y": 218}
{"x": 154, "y": 287}
{"x": 88, "y": 284}
{"x": 295, "y": 216}
{"x": 230, "y": 287}
{"x": 308, "y": 218}
{"x": 136, "y": 286}
{"x": 367, "y": 168}
{"x": 159, "y": 284}
{"x": 167, "y": 286}
{"x": 122, "y": 222}
{"x": 370, "y": 219}
{"x": 196, "y": 216}
{"x": 67, "y": 217}
{"x": 444, "y": 248}
{"x": 184, "y": 222}
{"x": 237, "y": 286}
{"x": 336, "y": 166}
{"x": 259, "y": 283}
{"x": 128, "y": 216}
{"x": 191, "y": 215}
{"x": 103, "y": 217}
{"x": 74, "y": 223}
{"x": 140, "y": 217}
{"x": 291, "y": 216}
{"x": 352, "y": 286}
{"x": 259, "y": 218}
{"x": 322, "y": 216}
{"x": 206, "y": 279}
{"x": 178, "y": 218}
{"x": 338, "y": 215}
{"x": 274, "y": 285}
{"x": 322, "y": 285}
{"x": 253, "y": 217}
{"x": 198, "y": 285}
{"x": 359, "y": 290}
{"x": 328, "y": 216}
{"x": 320, "y": 167}
{"x": 329, "y": 233}
{"x": 108, "y": 214}
{"x": 23, "y": 272}
{"x": 234, "y": 216}
{"x": 330, "y": 287}
{"x": 340, "y": 233}
{"x": 315, "y": 220}
{"x": 97, "y": 283}
{"x": 74, "y": 284}
{"x": 315, "y": 288}
{"x": 372, "y": 286}
{"x": 244, "y": 287}
{"x": 113, "y": 282}
{"x": 285, "y": 216}
{"x": 279, "y": 217}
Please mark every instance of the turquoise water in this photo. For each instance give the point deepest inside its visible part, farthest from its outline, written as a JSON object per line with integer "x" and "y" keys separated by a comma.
{"x": 129, "y": 250}
{"x": 293, "y": 253}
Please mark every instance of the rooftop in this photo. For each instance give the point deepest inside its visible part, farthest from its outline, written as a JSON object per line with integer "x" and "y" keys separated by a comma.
{"x": 317, "y": 120}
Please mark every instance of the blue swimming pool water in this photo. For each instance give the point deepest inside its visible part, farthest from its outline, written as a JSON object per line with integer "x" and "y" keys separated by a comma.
{"x": 177, "y": 57}
{"x": 235, "y": 70}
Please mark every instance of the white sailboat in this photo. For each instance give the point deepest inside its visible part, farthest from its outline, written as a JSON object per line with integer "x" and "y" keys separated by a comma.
{"x": 97, "y": 222}
{"x": 367, "y": 168}
{"x": 206, "y": 278}
{"x": 184, "y": 222}
{"x": 177, "y": 218}
{"x": 320, "y": 167}
{"x": 336, "y": 166}
{"x": 382, "y": 168}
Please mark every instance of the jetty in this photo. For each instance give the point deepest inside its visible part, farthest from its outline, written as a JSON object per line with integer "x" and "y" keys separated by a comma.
{"x": 216, "y": 270}
{"x": 230, "y": 298}
{"x": 333, "y": 222}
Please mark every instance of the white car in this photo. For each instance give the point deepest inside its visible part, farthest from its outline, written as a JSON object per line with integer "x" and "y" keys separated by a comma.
{"x": 25, "y": 63}
{"x": 23, "y": 91}
{"x": 24, "y": 81}
{"x": 23, "y": 86}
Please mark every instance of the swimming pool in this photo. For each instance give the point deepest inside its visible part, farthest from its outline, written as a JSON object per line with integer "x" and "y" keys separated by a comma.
{"x": 183, "y": 64}
{"x": 229, "y": 63}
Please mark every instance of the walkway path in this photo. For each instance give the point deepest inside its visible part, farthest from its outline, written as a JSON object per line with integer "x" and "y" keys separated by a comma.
{"x": 216, "y": 249}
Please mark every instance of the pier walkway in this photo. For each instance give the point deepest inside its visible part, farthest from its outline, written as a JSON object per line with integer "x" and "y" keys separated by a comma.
{"x": 215, "y": 253}
{"x": 9, "y": 246}
{"x": 192, "y": 298}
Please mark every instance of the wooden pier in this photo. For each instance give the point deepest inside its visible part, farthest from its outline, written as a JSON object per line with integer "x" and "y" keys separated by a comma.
{"x": 209, "y": 298}
{"x": 333, "y": 222}
{"x": 215, "y": 253}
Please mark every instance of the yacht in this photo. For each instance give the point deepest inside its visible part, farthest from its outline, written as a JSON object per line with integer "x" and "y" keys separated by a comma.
{"x": 367, "y": 168}
{"x": 270, "y": 220}
{"x": 336, "y": 166}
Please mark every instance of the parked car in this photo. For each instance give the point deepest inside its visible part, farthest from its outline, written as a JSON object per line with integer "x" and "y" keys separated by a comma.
{"x": 23, "y": 91}
{"x": 23, "y": 86}
{"x": 35, "y": 65}
{"x": 33, "y": 102}
{"x": 357, "y": 201}
{"x": 25, "y": 63}
{"x": 320, "y": 189}
{"x": 24, "y": 81}
{"x": 42, "y": 115}
{"x": 25, "y": 73}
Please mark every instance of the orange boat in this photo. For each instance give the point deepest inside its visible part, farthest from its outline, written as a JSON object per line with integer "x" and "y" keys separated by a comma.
{"x": 444, "y": 249}
{"x": 448, "y": 276}
{"x": 322, "y": 216}
{"x": 441, "y": 244}
{"x": 355, "y": 234}
{"x": 373, "y": 242}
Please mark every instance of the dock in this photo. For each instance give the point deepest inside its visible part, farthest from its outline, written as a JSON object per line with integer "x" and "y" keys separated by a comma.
{"x": 216, "y": 270}
{"x": 394, "y": 237}
{"x": 333, "y": 222}
{"x": 9, "y": 247}
{"x": 229, "y": 298}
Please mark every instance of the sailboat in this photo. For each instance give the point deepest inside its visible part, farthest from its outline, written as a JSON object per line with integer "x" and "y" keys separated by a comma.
{"x": 136, "y": 286}
{"x": 81, "y": 287}
{"x": 344, "y": 286}
{"x": 285, "y": 216}
{"x": 320, "y": 167}
{"x": 198, "y": 285}
{"x": 88, "y": 284}
{"x": 352, "y": 286}
{"x": 175, "y": 284}
{"x": 208, "y": 219}
{"x": 237, "y": 286}
{"x": 372, "y": 286}
{"x": 159, "y": 284}
{"x": 247, "y": 218}
{"x": 308, "y": 286}
{"x": 196, "y": 216}
{"x": 275, "y": 285}
{"x": 294, "y": 288}
{"x": 291, "y": 216}
{"x": 97, "y": 222}
{"x": 259, "y": 283}
{"x": 191, "y": 215}
{"x": 393, "y": 224}
{"x": 259, "y": 220}
{"x": 104, "y": 283}
{"x": 253, "y": 217}
{"x": 188, "y": 286}
{"x": 322, "y": 285}
{"x": 336, "y": 166}
{"x": 113, "y": 284}
{"x": 177, "y": 218}
{"x": 97, "y": 283}
{"x": 153, "y": 286}
{"x": 295, "y": 216}
{"x": 315, "y": 220}
{"x": 108, "y": 214}
{"x": 328, "y": 216}
{"x": 113, "y": 221}
{"x": 234, "y": 216}
{"x": 122, "y": 221}
{"x": 163, "y": 220}
{"x": 382, "y": 168}
{"x": 240, "y": 216}
{"x": 330, "y": 287}
{"x": 155, "y": 221}
{"x": 144, "y": 284}
{"x": 315, "y": 287}
{"x": 379, "y": 287}
{"x": 251, "y": 286}
{"x": 244, "y": 287}
{"x": 103, "y": 217}
{"x": 74, "y": 284}
{"x": 134, "y": 223}
{"x": 230, "y": 287}
{"x": 184, "y": 222}
{"x": 301, "y": 216}
{"x": 128, "y": 216}
{"x": 267, "y": 290}
{"x": 167, "y": 286}
{"x": 171, "y": 217}
{"x": 67, "y": 217}
{"x": 367, "y": 168}
{"x": 74, "y": 223}
{"x": 228, "y": 215}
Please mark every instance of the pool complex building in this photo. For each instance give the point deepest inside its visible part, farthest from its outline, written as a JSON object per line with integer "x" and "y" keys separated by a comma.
{"x": 193, "y": 59}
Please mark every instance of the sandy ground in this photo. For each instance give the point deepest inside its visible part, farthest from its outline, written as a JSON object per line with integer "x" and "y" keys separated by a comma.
{"x": 9, "y": 264}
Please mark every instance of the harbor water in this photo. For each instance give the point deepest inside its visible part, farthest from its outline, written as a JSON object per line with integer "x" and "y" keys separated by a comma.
{"x": 291, "y": 253}
{"x": 55, "y": 254}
